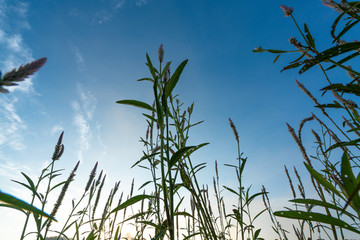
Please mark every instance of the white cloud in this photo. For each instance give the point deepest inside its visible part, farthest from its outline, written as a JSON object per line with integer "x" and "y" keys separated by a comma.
{"x": 108, "y": 10}
{"x": 12, "y": 127}
{"x": 78, "y": 57}
{"x": 84, "y": 132}
{"x": 102, "y": 16}
{"x": 11, "y": 170}
{"x": 13, "y": 51}
{"x": 15, "y": 43}
{"x": 56, "y": 129}
{"x": 84, "y": 109}
{"x": 21, "y": 9}
{"x": 140, "y": 3}
{"x": 119, "y": 4}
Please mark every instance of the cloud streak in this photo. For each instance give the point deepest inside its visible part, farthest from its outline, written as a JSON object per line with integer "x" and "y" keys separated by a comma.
{"x": 12, "y": 127}
{"x": 106, "y": 10}
{"x": 79, "y": 59}
{"x": 84, "y": 109}
{"x": 13, "y": 53}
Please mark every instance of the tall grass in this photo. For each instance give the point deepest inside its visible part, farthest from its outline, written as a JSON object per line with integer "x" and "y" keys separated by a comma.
{"x": 173, "y": 184}
{"x": 174, "y": 203}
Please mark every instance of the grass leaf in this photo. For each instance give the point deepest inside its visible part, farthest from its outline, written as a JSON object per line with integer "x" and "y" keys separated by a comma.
{"x": 174, "y": 78}
{"x": 315, "y": 217}
{"x": 131, "y": 201}
{"x": 136, "y": 103}
{"x": 9, "y": 199}
{"x": 322, "y": 180}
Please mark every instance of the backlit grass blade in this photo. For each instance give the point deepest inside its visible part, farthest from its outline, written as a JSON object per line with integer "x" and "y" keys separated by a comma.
{"x": 349, "y": 182}
{"x": 341, "y": 88}
{"x": 136, "y": 103}
{"x": 344, "y": 144}
{"x": 322, "y": 180}
{"x": 151, "y": 68}
{"x": 177, "y": 156}
{"x": 11, "y": 200}
{"x": 175, "y": 78}
{"x": 330, "y": 53}
{"x": 320, "y": 204}
{"x": 315, "y": 217}
{"x": 131, "y": 201}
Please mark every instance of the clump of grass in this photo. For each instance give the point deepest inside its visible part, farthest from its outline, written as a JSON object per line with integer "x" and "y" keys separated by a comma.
{"x": 336, "y": 183}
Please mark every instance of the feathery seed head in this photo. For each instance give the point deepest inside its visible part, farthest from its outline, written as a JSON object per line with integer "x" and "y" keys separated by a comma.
{"x": 307, "y": 92}
{"x": 317, "y": 137}
{"x": 161, "y": 53}
{"x": 91, "y": 178}
{"x": 347, "y": 103}
{"x": 62, "y": 193}
{"x": 59, "y": 148}
{"x": 287, "y": 10}
{"x": 99, "y": 178}
{"x": 19, "y": 74}
{"x": 234, "y": 130}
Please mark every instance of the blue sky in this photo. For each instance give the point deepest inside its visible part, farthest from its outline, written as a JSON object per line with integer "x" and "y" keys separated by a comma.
{"x": 96, "y": 52}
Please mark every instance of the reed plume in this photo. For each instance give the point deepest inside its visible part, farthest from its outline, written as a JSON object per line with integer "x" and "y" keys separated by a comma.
{"x": 19, "y": 74}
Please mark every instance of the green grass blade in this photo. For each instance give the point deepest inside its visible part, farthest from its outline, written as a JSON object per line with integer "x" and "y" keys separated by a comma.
{"x": 150, "y": 65}
{"x": 177, "y": 156}
{"x": 131, "y": 201}
{"x": 136, "y": 103}
{"x": 174, "y": 78}
{"x": 350, "y": 184}
{"x": 315, "y": 217}
{"x": 9, "y": 199}
{"x": 344, "y": 144}
{"x": 322, "y": 180}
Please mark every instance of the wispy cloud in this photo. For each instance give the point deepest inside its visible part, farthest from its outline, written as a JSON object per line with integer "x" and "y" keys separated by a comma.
{"x": 106, "y": 10}
{"x": 79, "y": 59}
{"x": 56, "y": 129}
{"x": 11, "y": 170}
{"x": 12, "y": 127}
{"x": 84, "y": 109}
{"x": 13, "y": 53}
{"x": 140, "y": 3}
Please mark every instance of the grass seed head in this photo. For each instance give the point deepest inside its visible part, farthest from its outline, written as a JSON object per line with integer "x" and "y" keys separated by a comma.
{"x": 234, "y": 130}
{"x": 91, "y": 178}
{"x": 22, "y": 72}
{"x": 287, "y": 10}
{"x": 62, "y": 193}
{"x": 161, "y": 53}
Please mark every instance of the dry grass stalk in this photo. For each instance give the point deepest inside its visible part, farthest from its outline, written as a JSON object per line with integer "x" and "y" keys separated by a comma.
{"x": 300, "y": 186}
{"x": 290, "y": 182}
{"x": 307, "y": 92}
{"x": 302, "y": 123}
{"x": 299, "y": 143}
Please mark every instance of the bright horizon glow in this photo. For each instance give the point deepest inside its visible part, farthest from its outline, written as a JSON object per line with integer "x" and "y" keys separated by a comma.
{"x": 96, "y": 52}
